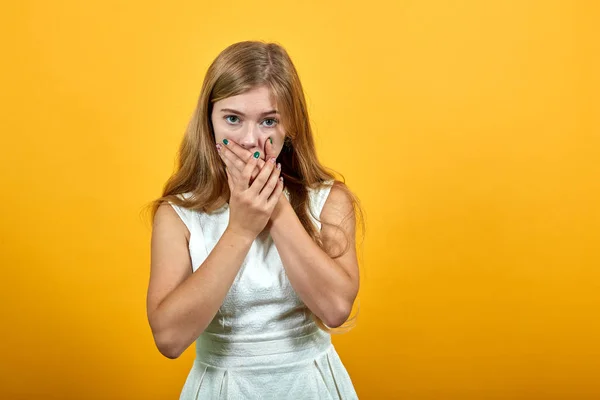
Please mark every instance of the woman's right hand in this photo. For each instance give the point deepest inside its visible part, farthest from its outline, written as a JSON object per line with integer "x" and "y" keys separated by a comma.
{"x": 239, "y": 156}
{"x": 251, "y": 204}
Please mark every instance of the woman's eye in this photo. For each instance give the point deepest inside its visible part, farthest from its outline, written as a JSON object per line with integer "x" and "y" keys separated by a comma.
{"x": 273, "y": 120}
{"x": 227, "y": 118}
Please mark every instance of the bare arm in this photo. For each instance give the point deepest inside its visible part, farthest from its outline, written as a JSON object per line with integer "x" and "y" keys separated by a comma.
{"x": 327, "y": 286}
{"x": 181, "y": 304}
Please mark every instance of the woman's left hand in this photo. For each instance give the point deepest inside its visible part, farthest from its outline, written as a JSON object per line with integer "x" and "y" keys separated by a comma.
{"x": 237, "y": 157}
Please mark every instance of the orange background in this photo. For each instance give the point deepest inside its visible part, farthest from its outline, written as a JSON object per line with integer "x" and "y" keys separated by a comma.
{"x": 469, "y": 129}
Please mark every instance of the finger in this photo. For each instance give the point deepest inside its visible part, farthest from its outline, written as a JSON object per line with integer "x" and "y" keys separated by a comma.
{"x": 235, "y": 163}
{"x": 271, "y": 183}
{"x": 244, "y": 182}
{"x": 268, "y": 152}
{"x": 243, "y": 156}
{"x": 263, "y": 176}
{"x": 274, "y": 198}
{"x": 256, "y": 171}
{"x": 269, "y": 148}
{"x": 240, "y": 152}
{"x": 230, "y": 167}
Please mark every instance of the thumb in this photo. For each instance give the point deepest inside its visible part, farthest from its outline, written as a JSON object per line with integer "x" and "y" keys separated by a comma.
{"x": 269, "y": 148}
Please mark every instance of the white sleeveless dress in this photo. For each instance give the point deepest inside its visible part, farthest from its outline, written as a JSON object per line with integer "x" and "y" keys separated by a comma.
{"x": 262, "y": 343}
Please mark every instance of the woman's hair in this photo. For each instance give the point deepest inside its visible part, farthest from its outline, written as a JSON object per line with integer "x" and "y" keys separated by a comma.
{"x": 237, "y": 69}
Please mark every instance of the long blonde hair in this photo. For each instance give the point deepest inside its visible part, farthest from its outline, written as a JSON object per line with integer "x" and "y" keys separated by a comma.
{"x": 241, "y": 67}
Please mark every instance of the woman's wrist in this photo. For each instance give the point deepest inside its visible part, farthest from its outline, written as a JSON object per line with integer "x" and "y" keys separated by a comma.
{"x": 283, "y": 205}
{"x": 241, "y": 236}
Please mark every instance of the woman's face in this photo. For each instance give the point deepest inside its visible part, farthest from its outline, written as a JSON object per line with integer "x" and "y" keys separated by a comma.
{"x": 249, "y": 119}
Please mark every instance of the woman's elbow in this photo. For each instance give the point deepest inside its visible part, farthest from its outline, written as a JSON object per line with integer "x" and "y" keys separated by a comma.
{"x": 339, "y": 316}
{"x": 169, "y": 344}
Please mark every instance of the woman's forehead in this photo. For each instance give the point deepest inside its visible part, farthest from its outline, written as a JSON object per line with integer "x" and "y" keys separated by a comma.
{"x": 256, "y": 101}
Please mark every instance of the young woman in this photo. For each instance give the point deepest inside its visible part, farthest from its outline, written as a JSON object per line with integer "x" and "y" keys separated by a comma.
{"x": 253, "y": 242}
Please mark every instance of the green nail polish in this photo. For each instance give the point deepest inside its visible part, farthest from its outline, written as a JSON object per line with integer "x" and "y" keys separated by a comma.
{"x": 256, "y": 155}
{"x": 271, "y": 140}
{"x": 226, "y": 142}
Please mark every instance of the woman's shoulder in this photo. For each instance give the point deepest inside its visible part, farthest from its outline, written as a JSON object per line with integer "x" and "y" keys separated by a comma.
{"x": 323, "y": 185}
{"x": 184, "y": 196}
{"x": 318, "y": 195}
{"x": 190, "y": 203}
{"x": 334, "y": 192}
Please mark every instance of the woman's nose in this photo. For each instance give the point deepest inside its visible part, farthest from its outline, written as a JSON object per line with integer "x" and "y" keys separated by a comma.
{"x": 250, "y": 139}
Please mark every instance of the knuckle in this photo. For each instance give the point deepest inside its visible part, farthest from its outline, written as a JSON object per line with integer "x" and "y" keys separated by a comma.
{"x": 245, "y": 200}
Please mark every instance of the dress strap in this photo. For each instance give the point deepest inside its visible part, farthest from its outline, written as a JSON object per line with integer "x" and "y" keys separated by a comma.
{"x": 184, "y": 213}
{"x": 318, "y": 197}
{"x": 193, "y": 220}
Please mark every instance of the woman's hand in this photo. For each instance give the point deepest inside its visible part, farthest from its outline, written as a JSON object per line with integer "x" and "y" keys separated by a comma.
{"x": 251, "y": 203}
{"x": 239, "y": 156}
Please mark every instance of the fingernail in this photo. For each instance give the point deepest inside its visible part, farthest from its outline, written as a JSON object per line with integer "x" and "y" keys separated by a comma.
{"x": 271, "y": 140}
{"x": 278, "y": 165}
{"x": 281, "y": 179}
{"x": 257, "y": 154}
{"x": 272, "y": 160}
{"x": 218, "y": 146}
{"x": 226, "y": 142}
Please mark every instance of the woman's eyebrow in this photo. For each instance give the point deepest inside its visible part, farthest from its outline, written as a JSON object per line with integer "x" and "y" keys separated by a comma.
{"x": 243, "y": 115}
